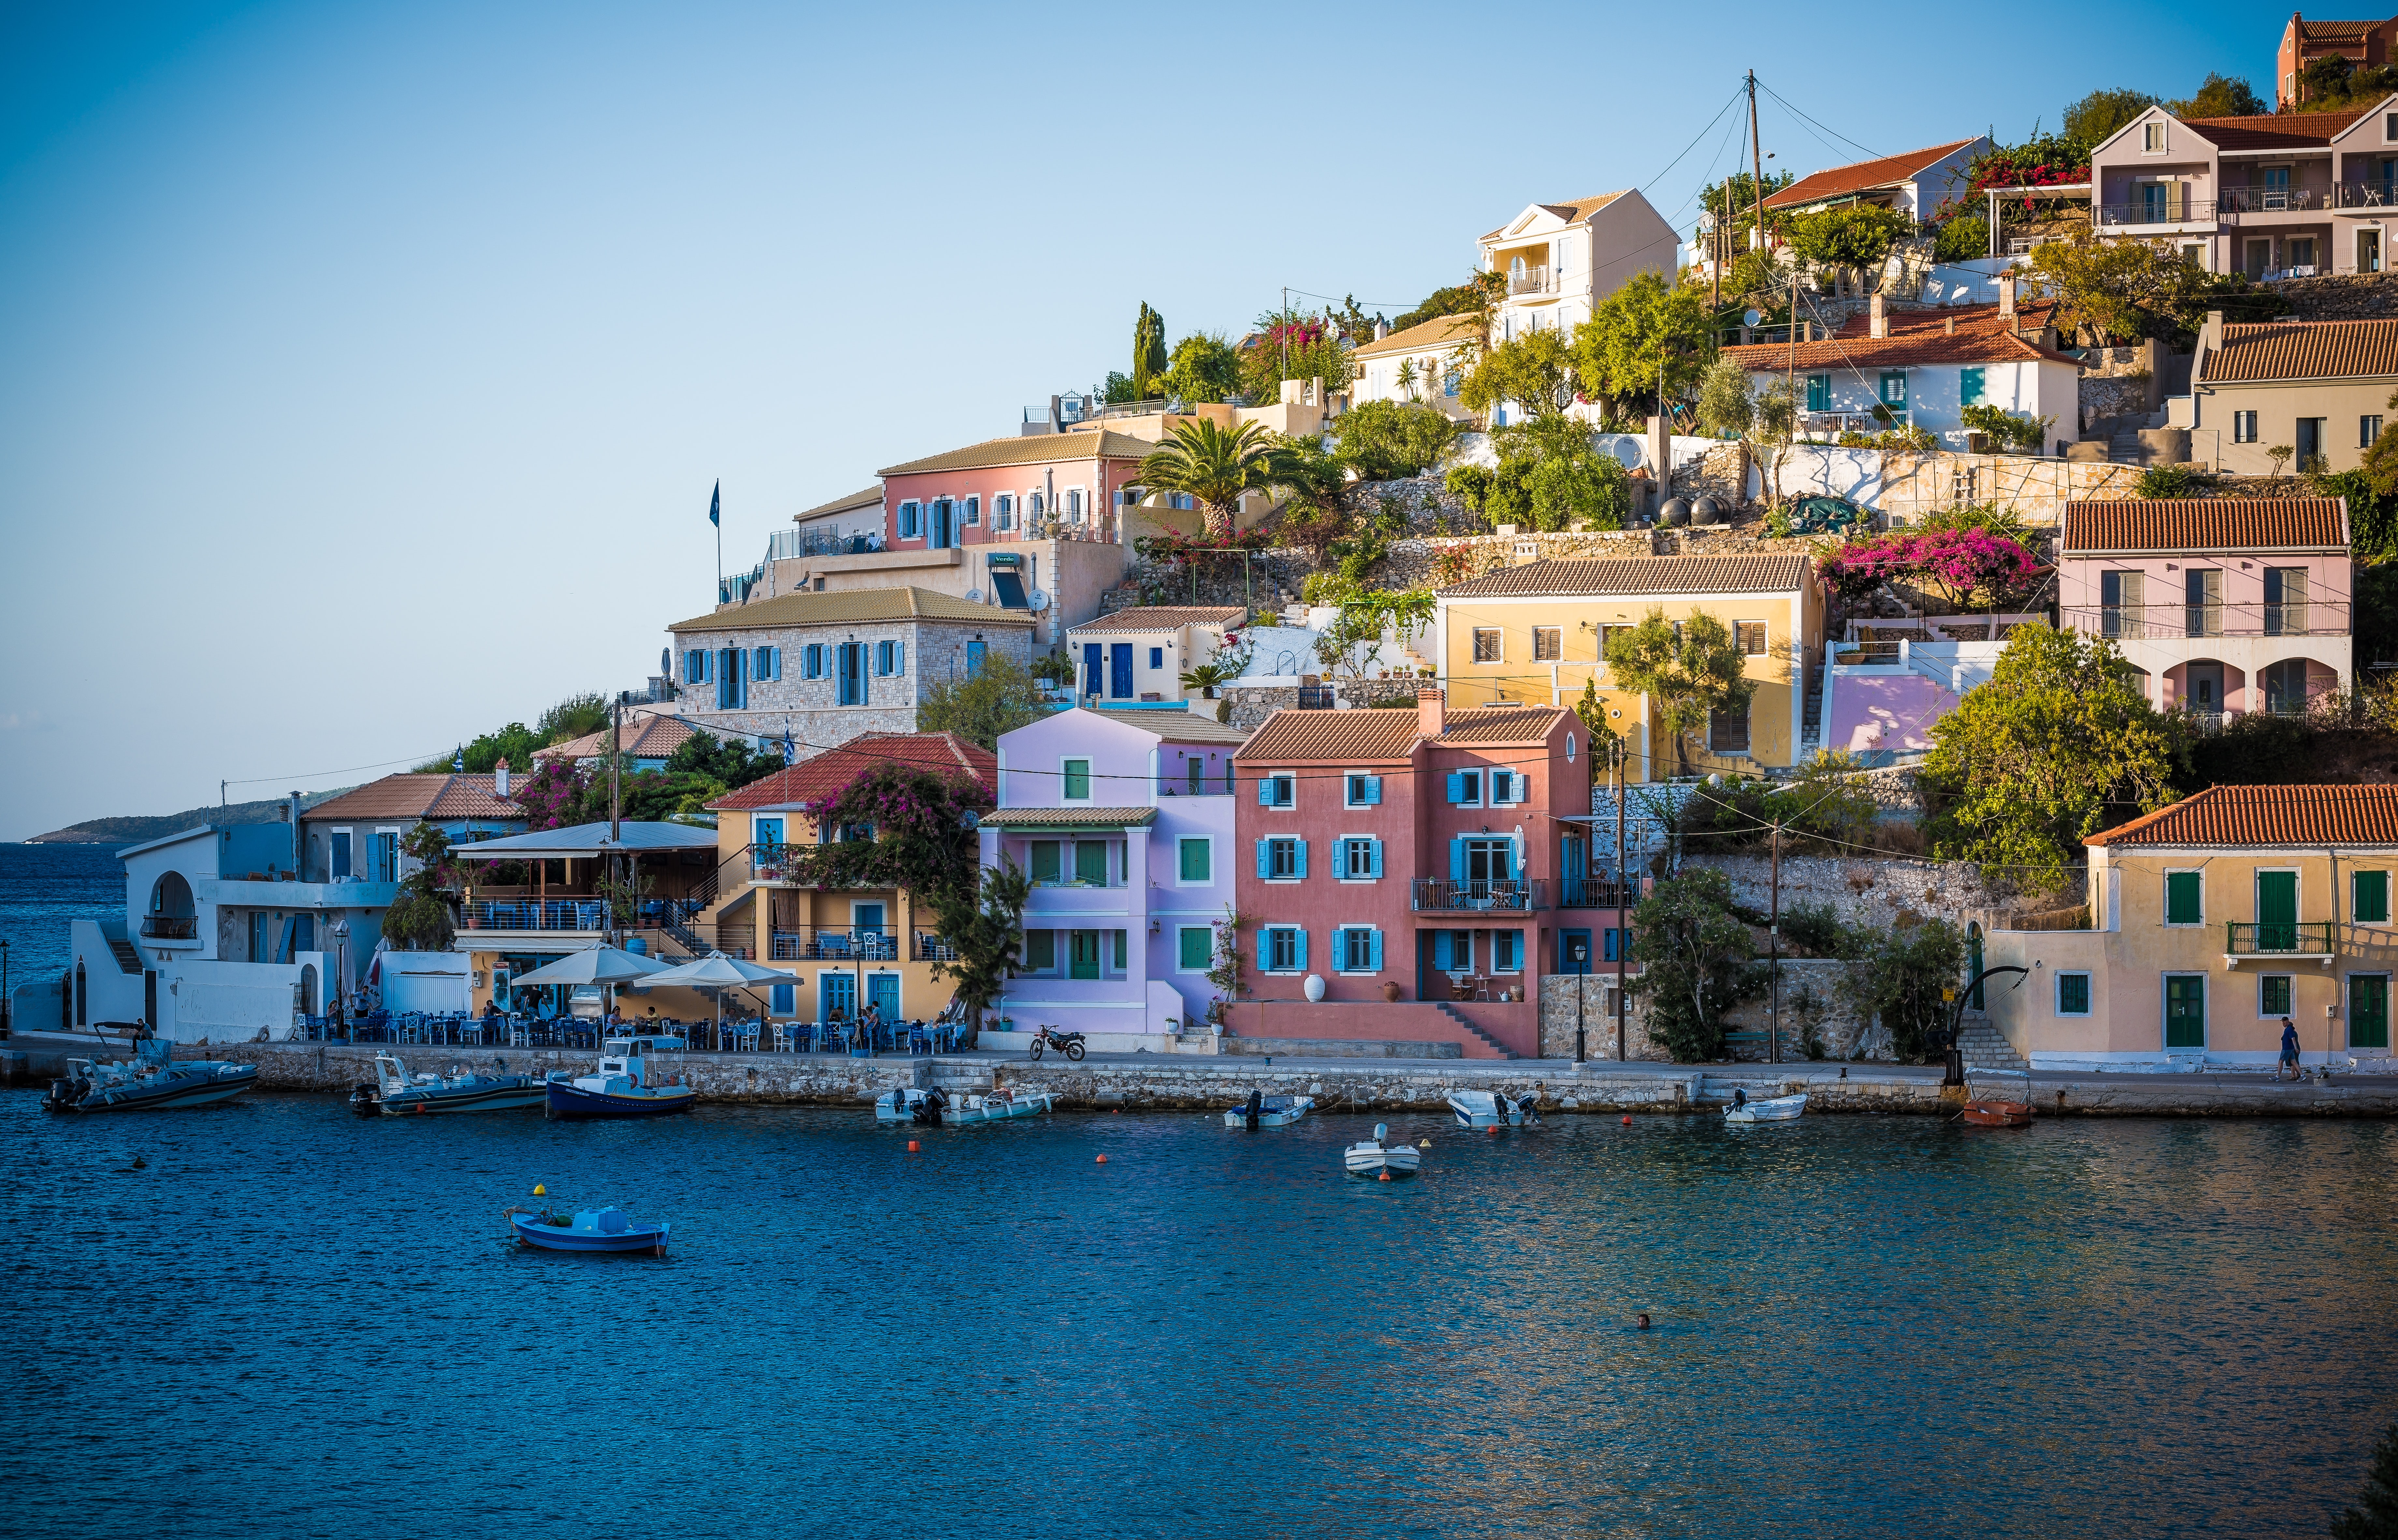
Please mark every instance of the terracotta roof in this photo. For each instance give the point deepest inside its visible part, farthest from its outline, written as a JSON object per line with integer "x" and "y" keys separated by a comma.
{"x": 1178, "y": 727}
{"x": 859, "y": 607}
{"x": 1570, "y": 210}
{"x": 2268, "y": 815}
{"x": 1862, "y": 176}
{"x": 2276, "y": 130}
{"x": 2305, "y": 350}
{"x": 415, "y": 796}
{"x": 1039, "y": 449}
{"x": 1071, "y": 817}
{"x": 1600, "y": 575}
{"x": 2334, "y": 32}
{"x": 1938, "y": 319}
{"x": 1164, "y": 617}
{"x": 1439, "y": 332}
{"x": 652, "y": 736}
{"x": 823, "y": 776}
{"x": 1917, "y": 338}
{"x": 2205, "y": 524}
{"x": 1381, "y": 735}
{"x": 870, "y": 497}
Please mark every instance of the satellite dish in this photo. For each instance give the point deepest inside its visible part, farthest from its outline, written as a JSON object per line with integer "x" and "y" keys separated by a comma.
{"x": 974, "y": 596}
{"x": 1040, "y": 600}
{"x": 1750, "y": 318}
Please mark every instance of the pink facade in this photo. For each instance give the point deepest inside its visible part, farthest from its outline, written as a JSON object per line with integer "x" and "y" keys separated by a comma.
{"x": 940, "y": 507}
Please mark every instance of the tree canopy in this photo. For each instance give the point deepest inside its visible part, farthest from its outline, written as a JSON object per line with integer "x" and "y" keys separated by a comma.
{"x": 1381, "y": 440}
{"x": 1203, "y": 367}
{"x": 2127, "y": 289}
{"x": 1646, "y": 323}
{"x": 2101, "y": 113}
{"x": 1535, "y": 371}
{"x": 1214, "y": 465}
{"x": 1696, "y": 962}
{"x": 1001, "y": 699}
{"x": 1149, "y": 363}
{"x": 1689, "y": 669}
{"x": 1473, "y": 297}
{"x": 1857, "y": 234}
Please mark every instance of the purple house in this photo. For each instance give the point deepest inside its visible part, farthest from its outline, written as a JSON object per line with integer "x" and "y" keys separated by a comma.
{"x": 1123, "y": 819}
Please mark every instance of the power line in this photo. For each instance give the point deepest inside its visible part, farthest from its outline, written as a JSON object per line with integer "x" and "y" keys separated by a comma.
{"x": 1870, "y": 154}
{"x": 317, "y": 774}
{"x": 1694, "y": 141}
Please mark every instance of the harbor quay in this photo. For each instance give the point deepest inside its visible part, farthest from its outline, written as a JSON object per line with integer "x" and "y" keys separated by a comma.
{"x": 1185, "y": 1082}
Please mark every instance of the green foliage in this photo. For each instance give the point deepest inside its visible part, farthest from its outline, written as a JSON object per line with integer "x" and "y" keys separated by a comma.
{"x": 2101, "y": 113}
{"x": 1535, "y": 372}
{"x": 1149, "y": 361}
{"x": 1294, "y": 344}
{"x": 1688, "y": 671}
{"x": 1054, "y": 667}
{"x": 1382, "y": 440}
{"x": 2018, "y": 431}
{"x": 576, "y": 716}
{"x": 2126, "y": 289}
{"x": 1855, "y": 235}
{"x": 1743, "y": 199}
{"x": 1550, "y": 476}
{"x": 1695, "y": 954}
{"x": 1816, "y": 929}
{"x": 2376, "y": 1514}
{"x": 2174, "y": 481}
{"x": 730, "y": 762}
{"x": 1825, "y": 809}
{"x": 984, "y": 926}
{"x": 1225, "y": 665}
{"x": 2220, "y": 96}
{"x": 1119, "y": 390}
{"x": 1900, "y": 975}
{"x": 1649, "y": 321}
{"x": 1215, "y": 465}
{"x": 2060, "y": 744}
{"x": 2331, "y": 82}
{"x": 1606, "y": 743}
{"x": 1203, "y": 367}
{"x": 1724, "y": 407}
{"x": 1000, "y": 699}
{"x": 1473, "y": 297}
{"x": 1964, "y": 238}
{"x": 418, "y": 918}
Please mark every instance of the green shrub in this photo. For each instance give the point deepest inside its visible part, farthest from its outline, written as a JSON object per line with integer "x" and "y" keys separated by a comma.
{"x": 2174, "y": 481}
{"x": 1814, "y": 927}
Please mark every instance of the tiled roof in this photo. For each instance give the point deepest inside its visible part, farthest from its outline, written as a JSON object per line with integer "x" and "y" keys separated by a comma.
{"x": 1381, "y": 735}
{"x": 859, "y": 607}
{"x": 2273, "y": 131}
{"x": 1439, "y": 332}
{"x": 1164, "y": 617}
{"x": 1180, "y": 726}
{"x": 2305, "y": 350}
{"x": 1071, "y": 817}
{"x": 1570, "y": 210}
{"x": 2268, "y": 814}
{"x": 870, "y": 497}
{"x": 823, "y": 776}
{"x": 1862, "y": 176}
{"x": 415, "y": 796}
{"x": 1940, "y": 318}
{"x": 1917, "y": 337}
{"x": 2335, "y": 31}
{"x": 2205, "y": 524}
{"x": 1591, "y": 576}
{"x": 1039, "y": 449}
{"x": 652, "y": 736}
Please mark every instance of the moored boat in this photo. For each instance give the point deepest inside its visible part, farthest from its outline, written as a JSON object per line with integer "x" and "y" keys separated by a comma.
{"x": 1996, "y": 1109}
{"x": 589, "y": 1230}
{"x": 149, "y": 1082}
{"x": 1268, "y": 1111}
{"x": 629, "y": 1083}
{"x": 1378, "y": 1157}
{"x": 1780, "y": 1109}
{"x": 395, "y": 1093}
{"x": 1483, "y": 1110}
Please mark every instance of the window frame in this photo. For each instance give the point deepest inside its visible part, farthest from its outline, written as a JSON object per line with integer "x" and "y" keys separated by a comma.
{"x": 1342, "y": 963}
{"x": 2057, "y": 994}
{"x": 1277, "y": 937}
{"x": 1349, "y": 787}
{"x": 2355, "y": 908}
{"x": 1480, "y": 787}
{"x": 909, "y": 520}
{"x": 1973, "y": 385}
{"x": 2368, "y": 428}
{"x": 2243, "y": 427}
{"x": 1882, "y": 390}
{"x": 2266, "y": 1009}
{"x": 1740, "y": 630}
{"x": 1350, "y": 845}
{"x": 1066, "y": 774}
{"x": 1548, "y": 643}
{"x": 1183, "y": 845}
{"x": 2198, "y": 874}
{"x": 1278, "y": 869}
{"x": 1182, "y": 935}
{"x": 1498, "y": 642}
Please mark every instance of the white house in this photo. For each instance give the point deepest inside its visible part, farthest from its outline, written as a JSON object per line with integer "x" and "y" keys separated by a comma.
{"x": 1426, "y": 362}
{"x": 1140, "y": 655}
{"x": 1562, "y": 259}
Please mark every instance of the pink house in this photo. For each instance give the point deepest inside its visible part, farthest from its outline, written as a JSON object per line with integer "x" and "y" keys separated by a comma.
{"x": 2228, "y": 604}
{"x": 1008, "y": 490}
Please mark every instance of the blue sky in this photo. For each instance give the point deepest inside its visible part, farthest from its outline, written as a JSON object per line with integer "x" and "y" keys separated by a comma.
{"x": 364, "y": 367}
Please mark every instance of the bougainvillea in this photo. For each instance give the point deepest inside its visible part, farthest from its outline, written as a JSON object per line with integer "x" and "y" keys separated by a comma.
{"x": 1963, "y": 566}
{"x": 550, "y": 796}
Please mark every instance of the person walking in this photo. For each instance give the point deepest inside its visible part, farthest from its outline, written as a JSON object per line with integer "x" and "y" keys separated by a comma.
{"x": 2289, "y": 1051}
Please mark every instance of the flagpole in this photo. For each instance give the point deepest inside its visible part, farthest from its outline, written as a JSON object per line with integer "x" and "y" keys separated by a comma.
{"x": 715, "y": 507}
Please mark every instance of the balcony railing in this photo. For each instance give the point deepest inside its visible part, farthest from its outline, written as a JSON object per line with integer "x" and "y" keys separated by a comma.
{"x": 838, "y": 943}
{"x": 2278, "y": 938}
{"x": 929, "y": 948}
{"x": 2186, "y": 211}
{"x": 2365, "y": 195}
{"x": 1316, "y": 698}
{"x": 1476, "y": 895}
{"x": 824, "y": 541}
{"x": 1208, "y": 786}
{"x": 569, "y": 913}
{"x": 2306, "y": 617}
{"x": 1593, "y": 893}
{"x": 1531, "y": 280}
{"x": 170, "y": 927}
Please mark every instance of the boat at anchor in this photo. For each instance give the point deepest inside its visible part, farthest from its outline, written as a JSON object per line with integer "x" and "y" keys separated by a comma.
{"x": 395, "y": 1093}
{"x": 1375, "y": 1157}
{"x": 630, "y": 1083}
{"x": 148, "y": 1082}
{"x": 589, "y": 1230}
{"x": 1268, "y": 1111}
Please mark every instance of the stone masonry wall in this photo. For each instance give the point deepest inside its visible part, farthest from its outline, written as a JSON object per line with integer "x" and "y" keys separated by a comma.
{"x": 2343, "y": 296}
{"x": 936, "y": 651}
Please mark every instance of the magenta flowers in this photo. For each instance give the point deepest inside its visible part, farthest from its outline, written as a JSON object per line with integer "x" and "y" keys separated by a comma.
{"x": 1960, "y": 566}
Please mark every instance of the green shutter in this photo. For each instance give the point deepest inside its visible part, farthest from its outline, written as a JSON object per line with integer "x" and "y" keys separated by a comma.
{"x": 2073, "y": 993}
{"x": 1045, "y": 867}
{"x": 2184, "y": 1013}
{"x": 1078, "y": 780}
{"x": 1040, "y": 950}
{"x": 1091, "y": 862}
{"x": 1198, "y": 947}
{"x": 2368, "y": 1010}
{"x": 1194, "y": 861}
{"x": 2182, "y": 901}
{"x": 2372, "y": 898}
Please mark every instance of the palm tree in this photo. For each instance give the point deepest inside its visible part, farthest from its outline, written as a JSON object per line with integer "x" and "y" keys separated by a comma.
{"x": 1215, "y": 466}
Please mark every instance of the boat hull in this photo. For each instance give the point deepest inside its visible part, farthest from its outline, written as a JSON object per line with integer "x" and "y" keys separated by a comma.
{"x": 1782, "y": 1109}
{"x": 1367, "y": 1161}
{"x": 474, "y": 1099}
{"x": 552, "y": 1237}
{"x": 1270, "y": 1115}
{"x": 229, "y": 1081}
{"x": 1998, "y": 1115}
{"x": 568, "y": 1100}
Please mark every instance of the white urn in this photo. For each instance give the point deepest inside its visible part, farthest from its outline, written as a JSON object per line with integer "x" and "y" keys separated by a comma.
{"x": 1314, "y": 988}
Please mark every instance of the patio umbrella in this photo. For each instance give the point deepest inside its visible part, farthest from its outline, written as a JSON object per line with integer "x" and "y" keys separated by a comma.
{"x": 718, "y": 972}
{"x": 594, "y": 966}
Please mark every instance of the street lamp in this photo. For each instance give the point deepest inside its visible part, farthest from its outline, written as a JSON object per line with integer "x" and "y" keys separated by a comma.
{"x": 1578, "y": 950}
{"x": 341, "y": 933}
{"x": 1954, "y": 1073}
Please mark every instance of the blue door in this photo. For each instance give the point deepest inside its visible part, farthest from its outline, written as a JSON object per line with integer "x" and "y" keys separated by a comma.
{"x": 1120, "y": 670}
{"x": 1092, "y": 656}
{"x": 836, "y": 997}
{"x": 883, "y": 993}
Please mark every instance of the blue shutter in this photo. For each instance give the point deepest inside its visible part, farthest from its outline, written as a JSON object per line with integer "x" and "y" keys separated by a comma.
{"x": 1440, "y": 950}
{"x": 1374, "y": 863}
{"x": 1374, "y": 794}
{"x": 1374, "y": 942}
{"x": 1265, "y": 791}
{"x": 1298, "y": 951}
{"x": 1456, "y": 786}
{"x": 1265, "y": 859}
{"x": 1265, "y": 949}
{"x": 899, "y": 650}
{"x": 1457, "y": 860}
{"x": 1299, "y": 859}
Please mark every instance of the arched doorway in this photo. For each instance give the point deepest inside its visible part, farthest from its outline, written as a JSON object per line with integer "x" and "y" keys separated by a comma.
{"x": 308, "y": 990}
{"x": 172, "y": 915}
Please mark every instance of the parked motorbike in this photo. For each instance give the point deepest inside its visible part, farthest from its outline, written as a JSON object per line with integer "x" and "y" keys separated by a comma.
{"x": 1068, "y": 1043}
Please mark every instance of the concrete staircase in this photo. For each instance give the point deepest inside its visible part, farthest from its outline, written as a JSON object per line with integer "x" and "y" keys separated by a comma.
{"x": 1810, "y": 731}
{"x": 1985, "y": 1045}
{"x": 1492, "y": 1042}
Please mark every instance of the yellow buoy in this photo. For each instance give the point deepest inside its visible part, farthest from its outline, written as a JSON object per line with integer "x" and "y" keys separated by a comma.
{"x": 540, "y": 1191}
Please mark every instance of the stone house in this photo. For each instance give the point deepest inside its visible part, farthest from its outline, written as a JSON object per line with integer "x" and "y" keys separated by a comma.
{"x": 828, "y": 667}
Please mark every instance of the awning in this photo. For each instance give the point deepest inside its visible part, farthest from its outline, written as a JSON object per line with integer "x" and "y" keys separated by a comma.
{"x": 1022, "y": 820}
{"x": 589, "y": 839}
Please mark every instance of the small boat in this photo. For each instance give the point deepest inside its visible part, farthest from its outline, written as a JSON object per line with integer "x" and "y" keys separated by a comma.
{"x": 628, "y": 1085}
{"x": 2000, "y": 1111}
{"x": 1268, "y": 1111}
{"x": 587, "y": 1230}
{"x": 994, "y": 1106}
{"x": 1781, "y": 1108}
{"x": 148, "y": 1082}
{"x": 1482, "y": 1110}
{"x": 1375, "y": 1158}
{"x": 395, "y": 1093}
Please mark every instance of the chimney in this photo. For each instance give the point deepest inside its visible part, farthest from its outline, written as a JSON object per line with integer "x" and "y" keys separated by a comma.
{"x": 2006, "y": 293}
{"x": 1382, "y": 330}
{"x": 1877, "y": 325}
{"x": 499, "y": 778}
{"x": 1952, "y": 326}
{"x": 1431, "y": 712}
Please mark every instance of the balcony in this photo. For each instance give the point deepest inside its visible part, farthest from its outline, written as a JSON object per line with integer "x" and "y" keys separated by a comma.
{"x": 1531, "y": 280}
{"x": 170, "y": 927}
{"x": 2289, "y": 940}
{"x": 836, "y": 943}
{"x": 929, "y": 948}
{"x": 2167, "y": 622}
{"x": 569, "y": 913}
{"x": 2172, "y": 211}
{"x": 1477, "y": 895}
{"x": 1594, "y": 893}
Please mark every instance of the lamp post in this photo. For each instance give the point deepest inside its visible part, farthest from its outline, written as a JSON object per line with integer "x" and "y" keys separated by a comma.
{"x": 1955, "y": 1056}
{"x": 8, "y": 1007}
{"x": 1581, "y": 952}
{"x": 341, "y": 933}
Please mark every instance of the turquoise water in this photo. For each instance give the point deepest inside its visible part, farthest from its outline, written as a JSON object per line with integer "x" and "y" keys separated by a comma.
{"x": 43, "y": 887}
{"x": 292, "y": 1321}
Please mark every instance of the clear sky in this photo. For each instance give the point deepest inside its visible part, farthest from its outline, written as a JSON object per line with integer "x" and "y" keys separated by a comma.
{"x": 364, "y": 367}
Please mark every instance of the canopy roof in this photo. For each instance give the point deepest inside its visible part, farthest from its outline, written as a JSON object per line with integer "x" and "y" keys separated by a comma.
{"x": 589, "y": 839}
{"x": 593, "y": 965}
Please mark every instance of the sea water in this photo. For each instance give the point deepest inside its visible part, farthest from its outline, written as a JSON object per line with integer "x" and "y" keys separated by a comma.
{"x": 43, "y": 887}
{"x": 289, "y": 1320}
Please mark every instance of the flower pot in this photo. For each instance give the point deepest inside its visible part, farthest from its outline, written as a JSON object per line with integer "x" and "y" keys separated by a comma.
{"x": 1390, "y": 991}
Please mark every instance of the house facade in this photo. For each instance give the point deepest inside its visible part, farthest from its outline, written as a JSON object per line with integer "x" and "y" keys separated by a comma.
{"x": 2305, "y": 40}
{"x": 1125, "y": 822}
{"x": 1424, "y": 363}
{"x": 1560, "y": 260}
{"x": 2226, "y": 604}
{"x": 1536, "y": 634}
{"x": 828, "y": 667}
{"x": 2289, "y": 194}
{"x": 1416, "y": 872}
{"x": 647, "y": 738}
{"x": 2216, "y": 920}
{"x": 1915, "y": 184}
{"x": 1140, "y": 655}
{"x": 2318, "y": 390}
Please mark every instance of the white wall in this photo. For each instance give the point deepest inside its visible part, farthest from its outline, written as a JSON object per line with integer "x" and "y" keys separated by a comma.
{"x": 426, "y": 980}
{"x": 233, "y": 1002}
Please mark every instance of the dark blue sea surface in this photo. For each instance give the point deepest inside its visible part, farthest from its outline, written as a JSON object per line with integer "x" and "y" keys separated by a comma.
{"x": 42, "y": 887}
{"x": 292, "y": 1321}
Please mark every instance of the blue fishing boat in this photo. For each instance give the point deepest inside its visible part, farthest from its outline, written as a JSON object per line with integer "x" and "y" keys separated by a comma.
{"x": 630, "y": 1083}
{"x": 589, "y": 1230}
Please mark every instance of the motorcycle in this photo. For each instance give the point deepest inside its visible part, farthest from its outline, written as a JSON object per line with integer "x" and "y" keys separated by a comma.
{"x": 1068, "y": 1043}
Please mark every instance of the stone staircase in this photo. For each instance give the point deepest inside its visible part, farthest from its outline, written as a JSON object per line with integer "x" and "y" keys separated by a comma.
{"x": 1810, "y": 731}
{"x": 955, "y": 1077}
{"x": 128, "y": 960}
{"x": 1478, "y": 1033}
{"x": 1985, "y": 1045}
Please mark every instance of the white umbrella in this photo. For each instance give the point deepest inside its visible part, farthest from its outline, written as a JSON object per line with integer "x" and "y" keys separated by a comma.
{"x": 594, "y": 966}
{"x": 718, "y": 972}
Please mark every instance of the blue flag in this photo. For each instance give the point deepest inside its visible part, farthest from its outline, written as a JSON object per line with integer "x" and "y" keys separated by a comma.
{"x": 716, "y": 505}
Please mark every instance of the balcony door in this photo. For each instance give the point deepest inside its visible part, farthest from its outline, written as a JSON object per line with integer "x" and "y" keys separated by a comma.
{"x": 1120, "y": 670}
{"x": 2186, "y": 1011}
{"x": 1487, "y": 864}
{"x": 1084, "y": 959}
{"x": 2202, "y": 688}
{"x": 2277, "y": 912}
{"x": 836, "y": 997}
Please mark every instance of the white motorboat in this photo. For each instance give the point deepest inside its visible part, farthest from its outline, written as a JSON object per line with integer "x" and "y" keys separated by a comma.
{"x": 149, "y": 1080}
{"x": 938, "y": 1107}
{"x": 1781, "y": 1108}
{"x": 1482, "y": 1110}
{"x": 395, "y": 1093}
{"x": 1375, "y": 1157}
{"x": 1268, "y": 1111}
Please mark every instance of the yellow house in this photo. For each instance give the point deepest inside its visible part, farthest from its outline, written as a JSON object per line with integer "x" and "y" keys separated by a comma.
{"x": 2214, "y": 920}
{"x": 1537, "y": 633}
{"x": 847, "y": 947}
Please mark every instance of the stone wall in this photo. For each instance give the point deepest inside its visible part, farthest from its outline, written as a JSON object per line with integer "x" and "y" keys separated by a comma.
{"x": 2343, "y": 296}
{"x": 1875, "y": 892}
{"x": 1811, "y": 1000}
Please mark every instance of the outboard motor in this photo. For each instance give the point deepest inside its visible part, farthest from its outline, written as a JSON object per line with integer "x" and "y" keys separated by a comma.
{"x": 63, "y": 1094}
{"x": 1257, "y": 1099}
{"x": 1528, "y": 1107}
{"x": 1739, "y": 1096}
{"x": 366, "y": 1099}
{"x": 928, "y": 1107}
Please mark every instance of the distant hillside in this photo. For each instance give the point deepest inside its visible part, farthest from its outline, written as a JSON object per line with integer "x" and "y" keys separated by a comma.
{"x": 134, "y": 829}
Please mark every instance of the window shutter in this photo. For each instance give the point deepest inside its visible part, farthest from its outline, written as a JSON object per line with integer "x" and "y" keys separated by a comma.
{"x": 1265, "y": 858}
{"x": 1456, "y": 786}
{"x": 1298, "y": 951}
{"x": 1265, "y": 949}
{"x": 1374, "y": 863}
{"x": 1374, "y": 794}
{"x": 899, "y": 657}
{"x": 1457, "y": 860}
{"x": 1440, "y": 950}
{"x": 1265, "y": 791}
{"x": 1374, "y": 937}
{"x": 1299, "y": 858}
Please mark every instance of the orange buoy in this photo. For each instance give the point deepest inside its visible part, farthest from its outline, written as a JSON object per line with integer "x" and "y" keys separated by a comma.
{"x": 911, "y": 1146}
{"x": 1386, "y": 1176}
{"x": 1627, "y": 1120}
{"x": 1103, "y": 1160}
{"x": 1494, "y": 1130}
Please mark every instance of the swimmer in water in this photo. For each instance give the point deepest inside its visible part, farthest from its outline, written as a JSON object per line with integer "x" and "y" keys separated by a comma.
{"x": 1644, "y": 1321}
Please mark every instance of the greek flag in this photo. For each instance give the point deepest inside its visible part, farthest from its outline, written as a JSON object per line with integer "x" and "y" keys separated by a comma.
{"x": 716, "y": 505}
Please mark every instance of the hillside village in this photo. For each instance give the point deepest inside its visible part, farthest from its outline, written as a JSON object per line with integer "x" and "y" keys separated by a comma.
{"x": 1699, "y": 643}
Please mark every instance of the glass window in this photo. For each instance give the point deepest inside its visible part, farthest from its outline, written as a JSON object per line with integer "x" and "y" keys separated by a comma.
{"x": 1894, "y": 387}
{"x": 1282, "y": 859}
{"x": 2243, "y": 427}
{"x": 1282, "y": 950}
{"x": 1819, "y": 393}
{"x": 1005, "y": 508}
{"x": 1077, "y": 780}
{"x": 2372, "y": 889}
{"x": 1971, "y": 383}
{"x": 1197, "y": 864}
{"x": 974, "y": 511}
{"x": 1728, "y": 731}
{"x": 908, "y": 513}
{"x": 1506, "y": 951}
{"x": 1364, "y": 791}
{"x": 2073, "y": 995}
{"x": 1279, "y": 791}
{"x": 1197, "y": 950}
{"x": 1356, "y": 858}
{"x": 1046, "y": 867}
{"x": 1751, "y": 636}
{"x": 2368, "y": 428}
{"x": 1157, "y": 657}
{"x": 1195, "y": 774}
{"x": 1357, "y": 951}
{"x": 2273, "y": 995}
{"x": 1548, "y": 643}
{"x": 1486, "y": 644}
{"x": 1465, "y": 788}
{"x": 2183, "y": 905}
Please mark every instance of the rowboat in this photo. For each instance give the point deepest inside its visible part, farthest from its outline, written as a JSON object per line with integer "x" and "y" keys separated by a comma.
{"x": 629, "y": 1084}
{"x": 589, "y": 1230}
{"x": 1482, "y": 1110}
{"x": 1780, "y": 1109}
{"x": 1372, "y": 1157}
{"x": 1268, "y": 1111}
{"x": 1004, "y": 1105}
{"x": 1997, "y": 1110}
{"x": 150, "y": 1082}
{"x": 394, "y": 1093}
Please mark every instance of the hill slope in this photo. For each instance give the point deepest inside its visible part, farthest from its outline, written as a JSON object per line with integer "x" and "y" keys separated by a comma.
{"x": 134, "y": 829}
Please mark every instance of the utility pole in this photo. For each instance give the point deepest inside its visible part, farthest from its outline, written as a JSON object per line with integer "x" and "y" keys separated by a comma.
{"x": 1773, "y": 970}
{"x": 1623, "y": 925}
{"x": 1285, "y": 329}
{"x": 616, "y": 803}
{"x": 1756, "y": 160}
